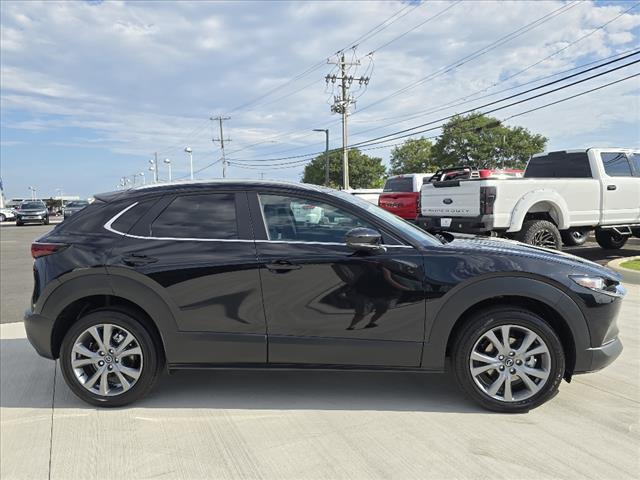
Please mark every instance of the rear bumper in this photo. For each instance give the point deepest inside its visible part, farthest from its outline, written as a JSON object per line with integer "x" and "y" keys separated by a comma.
{"x": 39, "y": 330}
{"x": 479, "y": 224}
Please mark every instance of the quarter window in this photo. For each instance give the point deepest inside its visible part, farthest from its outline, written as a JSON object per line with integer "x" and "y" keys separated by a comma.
{"x": 306, "y": 220}
{"x": 198, "y": 216}
{"x": 616, "y": 164}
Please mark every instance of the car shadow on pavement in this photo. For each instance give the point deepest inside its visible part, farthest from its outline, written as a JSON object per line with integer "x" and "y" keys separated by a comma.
{"x": 242, "y": 389}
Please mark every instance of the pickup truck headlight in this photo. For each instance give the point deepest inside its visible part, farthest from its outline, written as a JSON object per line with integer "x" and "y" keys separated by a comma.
{"x": 598, "y": 284}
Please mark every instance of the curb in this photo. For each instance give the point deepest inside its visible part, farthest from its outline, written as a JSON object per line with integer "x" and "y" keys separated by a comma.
{"x": 630, "y": 276}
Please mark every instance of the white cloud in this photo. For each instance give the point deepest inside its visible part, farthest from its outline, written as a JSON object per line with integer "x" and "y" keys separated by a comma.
{"x": 144, "y": 77}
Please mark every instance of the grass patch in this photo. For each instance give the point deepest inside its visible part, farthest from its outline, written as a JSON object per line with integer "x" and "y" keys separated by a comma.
{"x": 631, "y": 265}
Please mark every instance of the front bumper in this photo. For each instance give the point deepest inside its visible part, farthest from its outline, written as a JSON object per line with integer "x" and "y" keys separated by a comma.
{"x": 479, "y": 224}
{"x": 31, "y": 218}
{"x": 601, "y": 357}
{"x": 39, "y": 330}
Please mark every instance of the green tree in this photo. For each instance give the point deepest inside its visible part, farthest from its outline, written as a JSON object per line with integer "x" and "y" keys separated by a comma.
{"x": 413, "y": 156}
{"x": 477, "y": 139}
{"x": 364, "y": 171}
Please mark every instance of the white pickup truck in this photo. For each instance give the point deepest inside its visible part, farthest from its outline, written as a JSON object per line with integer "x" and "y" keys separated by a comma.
{"x": 561, "y": 198}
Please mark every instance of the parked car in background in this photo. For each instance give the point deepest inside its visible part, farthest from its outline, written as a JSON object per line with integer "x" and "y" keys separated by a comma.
{"x": 7, "y": 214}
{"x": 223, "y": 275}
{"x": 562, "y": 197}
{"x": 32, "y": 211}
{"x": 73, "y": 207}
{"x": 401, "y": 195}
{"x": 371, "y": 195}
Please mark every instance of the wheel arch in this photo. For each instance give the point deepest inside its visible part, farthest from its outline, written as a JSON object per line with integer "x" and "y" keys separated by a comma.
{"x": 78, "y": 293}
{"x": 540, "y": 201}
{"x": 542, "y": 298}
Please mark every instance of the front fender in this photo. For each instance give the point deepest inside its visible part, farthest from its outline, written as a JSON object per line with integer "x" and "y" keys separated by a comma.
{"x": 451, "y": 307}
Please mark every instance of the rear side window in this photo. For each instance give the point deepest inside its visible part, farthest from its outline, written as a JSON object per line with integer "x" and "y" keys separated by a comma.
{"x": 127, "y": 220}
{"x": 91, "y": 218}
{"x": 616, "y": 164}
{"x": 559, "y": 165}
{"x": 401, "y": 184}
{"x": 209, "y": 216}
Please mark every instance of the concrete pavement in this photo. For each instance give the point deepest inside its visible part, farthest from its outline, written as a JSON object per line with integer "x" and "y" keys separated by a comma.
{"x": 288, "y": 425}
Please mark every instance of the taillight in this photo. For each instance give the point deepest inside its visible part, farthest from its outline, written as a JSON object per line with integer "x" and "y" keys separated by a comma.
{"x": 44, "y": 249}
{"x": 487, "y": 199}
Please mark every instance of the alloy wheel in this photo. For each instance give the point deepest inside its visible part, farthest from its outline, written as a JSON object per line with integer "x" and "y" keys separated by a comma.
{"x": 510, "y": 363}
{"x": 107, "y": 359}
{"x": 544, "y": 238}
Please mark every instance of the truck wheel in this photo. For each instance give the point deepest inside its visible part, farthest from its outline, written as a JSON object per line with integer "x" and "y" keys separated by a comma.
{"x": 540, "y": 233}
{"x": 508, "y": 359}
{"x": 610, "y": 239}
{"x": 574, "y": 237}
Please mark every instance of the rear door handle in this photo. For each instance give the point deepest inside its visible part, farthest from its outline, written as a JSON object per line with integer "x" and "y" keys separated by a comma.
{"x": 282, "y": 266}
{"x": 611, "y": 187}
{"x": 135, "y": 259}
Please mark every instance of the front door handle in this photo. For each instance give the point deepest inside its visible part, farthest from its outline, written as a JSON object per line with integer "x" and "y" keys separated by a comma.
{"x": 282, "y": 266}
{"x": 135, "y": 259}
{"x": 611, "y": 187}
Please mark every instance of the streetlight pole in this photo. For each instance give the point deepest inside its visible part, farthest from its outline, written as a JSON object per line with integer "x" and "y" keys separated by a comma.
{"x": 154, "y": 167}
{"x": 144, "y": 181}
{"x": 33, "y": 192}
{"x": 190, "y": 152}
{"x": 168, "y": 162}
{"x": 326, "y": 153}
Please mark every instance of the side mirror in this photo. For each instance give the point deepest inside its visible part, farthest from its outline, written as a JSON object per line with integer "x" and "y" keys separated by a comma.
{"x": 364, "y": 240}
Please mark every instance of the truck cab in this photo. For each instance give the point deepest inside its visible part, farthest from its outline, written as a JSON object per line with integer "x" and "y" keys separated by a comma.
{"x": 401, "y": 195}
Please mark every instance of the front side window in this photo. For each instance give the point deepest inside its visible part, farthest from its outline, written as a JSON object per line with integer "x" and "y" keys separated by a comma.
{"x": 306, "y": 220}
{"x": 616, "y": 164}
{"x": 208, "y": 216}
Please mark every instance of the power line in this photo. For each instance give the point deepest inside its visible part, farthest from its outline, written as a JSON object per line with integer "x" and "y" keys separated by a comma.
{"x": 540, "y": 107}
{"x": 478, "y": 53}
{"x": 369, "y": 142}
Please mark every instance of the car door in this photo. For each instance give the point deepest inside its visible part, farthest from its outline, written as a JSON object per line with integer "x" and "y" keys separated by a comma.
{"x": 326, "y": 304}
{"x": 198, "y": 249}
{"x": 620, "y": 190}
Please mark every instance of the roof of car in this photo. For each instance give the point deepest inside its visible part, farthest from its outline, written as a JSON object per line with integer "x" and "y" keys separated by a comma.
{"x": 196, "y": 184}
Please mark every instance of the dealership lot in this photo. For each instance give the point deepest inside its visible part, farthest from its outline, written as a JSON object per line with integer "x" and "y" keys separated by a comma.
{"x": 312, "y": 424}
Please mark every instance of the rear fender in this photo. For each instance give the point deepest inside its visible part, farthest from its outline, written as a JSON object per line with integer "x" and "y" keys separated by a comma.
{"x": 558, "y": 208}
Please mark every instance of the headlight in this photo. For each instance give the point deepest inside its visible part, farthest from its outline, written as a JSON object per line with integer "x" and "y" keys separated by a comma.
{"x": 598, "y": 284}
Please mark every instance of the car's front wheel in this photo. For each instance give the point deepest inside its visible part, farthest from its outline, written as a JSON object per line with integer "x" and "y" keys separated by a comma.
{"x": 508, "y": 360}
{"x": 109, "y": 359}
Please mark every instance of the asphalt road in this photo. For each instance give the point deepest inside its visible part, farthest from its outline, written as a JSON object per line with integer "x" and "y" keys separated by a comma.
{"x": 16, "y": 278}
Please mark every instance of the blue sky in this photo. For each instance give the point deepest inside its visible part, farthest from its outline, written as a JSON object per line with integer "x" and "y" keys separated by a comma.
{"x": 91, "y": 89}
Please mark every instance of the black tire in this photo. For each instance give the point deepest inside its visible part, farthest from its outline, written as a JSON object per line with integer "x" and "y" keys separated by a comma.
{"x": 541, "y": 233}
{"x": 610, "y": 239}
{"x": 486, "y": 320}
{"x": 151, "y": 359}
{"x": 45, "y": 221}
{"x": 2, "y": 217}
{"x": 19, "y": 224}
{"x": 574, "y": 237}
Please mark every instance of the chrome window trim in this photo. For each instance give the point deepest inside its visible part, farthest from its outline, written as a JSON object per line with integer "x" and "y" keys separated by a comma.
{"x": 109, "y": 227}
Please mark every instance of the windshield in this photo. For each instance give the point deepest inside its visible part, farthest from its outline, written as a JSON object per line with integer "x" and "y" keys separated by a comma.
{"x": 32, "y": 206}
{"x": 408, "y": 229}
{"x": 79, "y": 204}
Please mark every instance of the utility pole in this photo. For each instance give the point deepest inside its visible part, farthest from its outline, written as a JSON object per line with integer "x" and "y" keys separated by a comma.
{"x": 154, "y": 167}
{"x": 221, "y": 119}
{"x": 341, "y": 104}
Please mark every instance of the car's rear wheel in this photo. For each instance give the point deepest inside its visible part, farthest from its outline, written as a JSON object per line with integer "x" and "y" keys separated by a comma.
{"x": 610, "y": 239}
{"x": 541, "y": 233}
{"x": 19, "y": 223}
{"x": 109, "y": 359}
{"x": 508, "y": 360}
{"x": 574, "y": 237}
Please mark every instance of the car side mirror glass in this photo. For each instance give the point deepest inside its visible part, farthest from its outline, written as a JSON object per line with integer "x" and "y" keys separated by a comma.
{"x": 364, "y": 240}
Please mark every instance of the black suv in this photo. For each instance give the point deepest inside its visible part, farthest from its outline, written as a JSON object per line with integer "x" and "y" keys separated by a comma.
{"x": 271, "y": 275}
